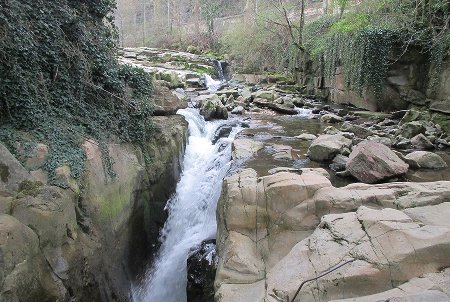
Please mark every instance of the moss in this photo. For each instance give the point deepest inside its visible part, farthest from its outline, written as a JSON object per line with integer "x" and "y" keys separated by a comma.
{"x": 114, "y": 203}
{"x": 215, "y": 55}
{"x": 201, "y": 69}
{"x": 443, "y": 120}
{"x": 31, "y": 188}
{"x": 4, "y": 172}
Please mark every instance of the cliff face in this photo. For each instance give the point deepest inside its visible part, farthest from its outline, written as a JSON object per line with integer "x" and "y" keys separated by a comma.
{"x": 406, "y": 85}
{"x": 85, "y": 242}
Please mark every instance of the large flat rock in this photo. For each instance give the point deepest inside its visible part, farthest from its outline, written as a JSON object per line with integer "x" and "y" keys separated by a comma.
{"x": 276, "y": 231}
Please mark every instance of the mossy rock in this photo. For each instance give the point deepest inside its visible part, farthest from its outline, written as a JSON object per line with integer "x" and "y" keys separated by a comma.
{"x": 371, "y": 114}
{"x": 199, "y": 68}
{"x": 410, "y": 116}
{"x": 443, "y": 120}
{"x": 29, "y": 187}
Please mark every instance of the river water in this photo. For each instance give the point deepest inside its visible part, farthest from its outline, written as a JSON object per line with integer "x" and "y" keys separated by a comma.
{"x": 192, "y": 209}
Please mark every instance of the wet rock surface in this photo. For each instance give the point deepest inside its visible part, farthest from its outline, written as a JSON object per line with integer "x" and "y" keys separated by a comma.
{"x": 201, "y": 271}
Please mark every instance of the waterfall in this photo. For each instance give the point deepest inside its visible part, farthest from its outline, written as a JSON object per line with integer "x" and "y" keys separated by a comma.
{"x": 212, "y": 84}
{"x": 219, "y": 69}
{"x": 303, "y": 111}
{"x": 192, "y": 209}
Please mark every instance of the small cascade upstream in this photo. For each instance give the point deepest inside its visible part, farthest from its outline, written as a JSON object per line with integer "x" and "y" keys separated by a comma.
{"x": 219, "y": 69}
{"x": 303, "y": 111}
{"x": 192, "y": 209}
{"x": 213, "y": 85}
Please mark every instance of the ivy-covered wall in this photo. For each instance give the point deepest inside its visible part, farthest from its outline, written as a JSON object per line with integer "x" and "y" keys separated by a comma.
{"x": 60, "y": 82}
{"x": 379, "y": 55}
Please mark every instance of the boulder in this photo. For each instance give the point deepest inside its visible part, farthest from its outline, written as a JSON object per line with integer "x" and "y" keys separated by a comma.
{"x": 380, "y": 139}
{"x": 326, "y": 147}
{"x": 339, "y": 163}
{"x": 212, "y": 108}
{"x": 283, "y": 105}
{"x": 228, "y": 93}
{"x": 440, "y": 106}
{"x": 411, "y": 129}
{"x": 359, "y": 131}
{"x": 331, "y": 130}
{"x": 421, "y": 142}
{"x": 201, "y": 270}
{"x": 306, "y": 136}
{"x": 166, "y": 102}
{"x": 268, "y": 95}
{"x": 426, "y": 160}
{"x": 331, "y": 118}
{"x": 372, "y": 162}
{"x": 238, "y": 110}
{"x": 243, "y": 148}
{"x": 221, "y": 132}
{"x": 402, "y": 143}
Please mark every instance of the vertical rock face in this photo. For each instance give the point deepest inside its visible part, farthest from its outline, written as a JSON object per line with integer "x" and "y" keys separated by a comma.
{"x": 69, "y": 244}
{"x": 277, "y": 231}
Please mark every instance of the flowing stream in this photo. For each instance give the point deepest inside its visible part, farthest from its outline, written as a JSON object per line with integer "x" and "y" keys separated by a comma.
{"x": 192, "y": 209}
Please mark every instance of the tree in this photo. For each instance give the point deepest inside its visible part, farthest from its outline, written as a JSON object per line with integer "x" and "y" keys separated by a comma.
{"x": 209, "y": 11}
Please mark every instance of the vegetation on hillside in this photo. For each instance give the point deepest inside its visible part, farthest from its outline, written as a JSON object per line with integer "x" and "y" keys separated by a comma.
{"x": 61, "y": 84}
{"x": 362, "y": 40}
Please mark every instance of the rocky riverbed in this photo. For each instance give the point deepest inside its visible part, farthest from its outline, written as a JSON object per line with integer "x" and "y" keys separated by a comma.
{"x": 315, "y": 185}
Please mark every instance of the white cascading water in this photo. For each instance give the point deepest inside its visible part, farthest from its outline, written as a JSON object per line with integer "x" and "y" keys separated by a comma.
{"x": 213, "y": 85}
{"x": 303, "y": 111}
{"x": 192, "y": 209}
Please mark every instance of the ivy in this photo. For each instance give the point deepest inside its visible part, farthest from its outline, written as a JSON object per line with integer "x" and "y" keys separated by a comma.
{"x": 61, "y": 83}
{"x": 362, "y": 40}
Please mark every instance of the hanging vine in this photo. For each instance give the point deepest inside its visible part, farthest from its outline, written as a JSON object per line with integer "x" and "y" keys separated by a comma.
{"x": 61, "y": 83}
{"x": 362, "y": 40}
